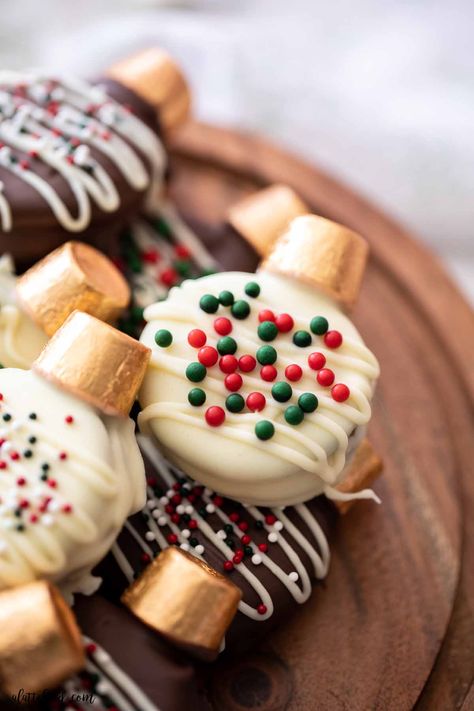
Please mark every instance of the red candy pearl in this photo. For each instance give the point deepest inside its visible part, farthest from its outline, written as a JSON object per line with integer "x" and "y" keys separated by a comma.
{"x": 262, "y": 547}
{"x": 316, "y": 361}
{"x": 197, "y": 338}
{"x": 270, "y": 519}
{"x": 208, "y": 356}
{"x": 215, "y": 416}
{"x": 246, "y": 539}
{"x": 247, "y": 363}
{"x": 340, "y": 392}
{"x": 233, "y": 382}
{"x": 262, "y": 609}
{"x": 256, "y": 402}
{"x": 222, "y": 326}
{"x": 284, "y": 323}
{"x": 268, "y": 373}
{"x": 228, "y": 566}
{"x": 266, "y": 315}
{"x": 172, "y": 538}
{"x": 325, "y": 377}
{"x": 333, "y": 339}
{"x": 228, "y": 364}
{"x": 293, "y": 372}
{"x": 169, "y": 277}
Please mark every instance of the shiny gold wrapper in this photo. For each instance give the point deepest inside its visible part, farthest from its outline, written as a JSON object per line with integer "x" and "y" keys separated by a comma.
{"x": 95, "y": 362}
{"x": 154, "y": 76}
{"x": 263, "y": 216}
{"x": 366, "y": 467}
{"x": 40, "y": 643}
{"x": 74, "y": 276}
{"x": 322, "y": 253}
{"x": 186, "y": 601}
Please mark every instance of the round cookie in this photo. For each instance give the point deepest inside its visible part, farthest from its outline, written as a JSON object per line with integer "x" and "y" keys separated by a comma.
{"x": 280, "y": 448}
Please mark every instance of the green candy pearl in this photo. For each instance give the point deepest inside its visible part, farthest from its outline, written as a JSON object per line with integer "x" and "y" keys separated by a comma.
{"x": 209, "y": 303}
{"x": 163, "y": 338}
{"x": 226, "y": 345}
{"x": 252, "y": 289}
{"x": 308, "y": 402}
{"x": 235, "y": 403}
{"x": 294, "y": 415}
{"x": 264, "y": 429}
{"x": 267, "y": 331}
{"x": 266, "y": 355}
{"x": 302, "y": 339}
{"x": 319, "y": 325}
{"x": 240, "y": 309}
{"x": 281, "y": 392}
{"x": 195, "y": 372}
{"x": 196, "y": 397}
{"x": 226, "y": 298}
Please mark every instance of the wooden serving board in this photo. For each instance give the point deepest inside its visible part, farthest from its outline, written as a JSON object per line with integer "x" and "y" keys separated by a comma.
{"x": 393, "y": 625}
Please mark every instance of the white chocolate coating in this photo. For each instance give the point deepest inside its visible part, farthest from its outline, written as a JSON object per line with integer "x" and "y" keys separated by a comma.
{"x": 21, "y": 340}
{"x": 66, "y": 487}
{"x": 298, "y": 462}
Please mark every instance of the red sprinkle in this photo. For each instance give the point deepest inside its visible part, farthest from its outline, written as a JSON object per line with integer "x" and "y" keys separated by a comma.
{"x": 197, "y": 338}
{"x": 262, "y": 609}
{"x": 172, "y": 538}
{"x": 52, "y": 483}
{"x": 340, "y": 392}
{"x": 325, "y": 377}
{"x": 193, "y": 523}
{"x": 316, "y": 361}
{"x": 234, "y": 517}
{"x": 233, "y": 382}
{"x": 333, "y": 339}
{"x": 3, "y": 465}
{"x": 228, "y": 566}
{"x": 15, "y": 456}
{"x": 215, "y": 416}
{"x": 238, "y": 557}
{"x": 69, "y": 419}
{"x": 182, "y": 251}
{"x": 145, "y": 558}
{"x": 175, "y": 518}
{"x": 24, "y": 504}
{"x": 247, "y": 363}
{"x": 217, "y": 500}
{"x": 62, "y": 456}
{"x": 151, "y": 256}
{"x": 91, "y": 648}
{"x": 33, "y": 518}
{"x": 293, "y": 372}
{"x": 262, "y": 547}
{"x": 67, "y": 508}
{"x": 222, "y": 326}
{"x": 208, "y": 356}
{"x": 256, "y": 402}
{"x": 268, "y": 373}
{"x": 243, "y": 526}
{"x": 284, "y": 323}
{"x": 270, "y": 519}
{"x": 21, "y": 481}
{"x": 176, "y": 499}
{"x": 228, "y": 364}
{"x": 266, "y": 315}
{"x": 246, "y": 539}
{"x": 169, "y": 277}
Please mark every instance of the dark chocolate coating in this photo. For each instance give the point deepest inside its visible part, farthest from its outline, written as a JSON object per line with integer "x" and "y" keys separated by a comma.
{"x": 36, "y": 231}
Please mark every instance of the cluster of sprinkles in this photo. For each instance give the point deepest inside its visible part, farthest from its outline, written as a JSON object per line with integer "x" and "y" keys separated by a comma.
{"x": 224, "y": 357}
{"x": 157, "y": 252}
{"x": 30, "y": 494}
{"x": 181, "y": 512}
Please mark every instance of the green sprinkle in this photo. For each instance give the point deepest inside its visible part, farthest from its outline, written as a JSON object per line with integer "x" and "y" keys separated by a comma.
{"x": 308, "y": 402}
{"x": 162, "y": 227}
{"x": 32, "y": 415}
{"x": 302, "y": 339}
{"x": 267, "y": 331}
{"x": 235, "y": 403}
{"x": 226, "y": 298}
{"x": 209, "y": 303}
{"x": 136, "y": 314}
{"x": 240, "y": 309}
{"x": 32, "y": 439}
{"x": 266, "y": 355}
{"x": 208, "y": 271}
{"x": 264, "y": 429}
{"x": 252, "y": 289}
{"x": 7, "y": 417}
{"x": 193, "y": 542}
{"x": 319, "y": 325}
{"x": 248, "y": 550}
{"x": 163, "y": 338}
{"x": 281, "y": 392}
{"x": 195, "y": 372}
{"x": 27, "y": 453}
{"x": 196, "y": 397}
{"x": 228, "y": 528}
{"x": 226, "y": 345}
{"x": 294, "y": 415}
{"x": 183, "y": 267}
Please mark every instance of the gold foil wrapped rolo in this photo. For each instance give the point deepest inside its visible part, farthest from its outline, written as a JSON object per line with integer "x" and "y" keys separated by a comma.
{"x": 40, "y": 643}
{"x": 96, "y": 362}
{"x": 74, "y": 276}
{"x": 155, "y": 77}
{"x": 262, "y": 217}
{"x": 184, "y": 600}
{"x": 322, "y": 253}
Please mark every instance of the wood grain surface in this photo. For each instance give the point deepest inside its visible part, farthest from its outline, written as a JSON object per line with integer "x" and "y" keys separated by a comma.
{"x": 392, "y": 627}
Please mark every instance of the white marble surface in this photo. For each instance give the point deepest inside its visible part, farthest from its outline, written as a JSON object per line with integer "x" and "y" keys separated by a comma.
{"x": 381, "y": 93}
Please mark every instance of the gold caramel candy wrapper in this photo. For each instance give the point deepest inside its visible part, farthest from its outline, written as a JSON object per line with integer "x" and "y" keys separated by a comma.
{"x": 95, "y": 362}
{"x": 184, "y": 600}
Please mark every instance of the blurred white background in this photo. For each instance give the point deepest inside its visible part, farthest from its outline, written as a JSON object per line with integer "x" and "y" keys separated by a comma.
{"x": 379, "y": 92}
